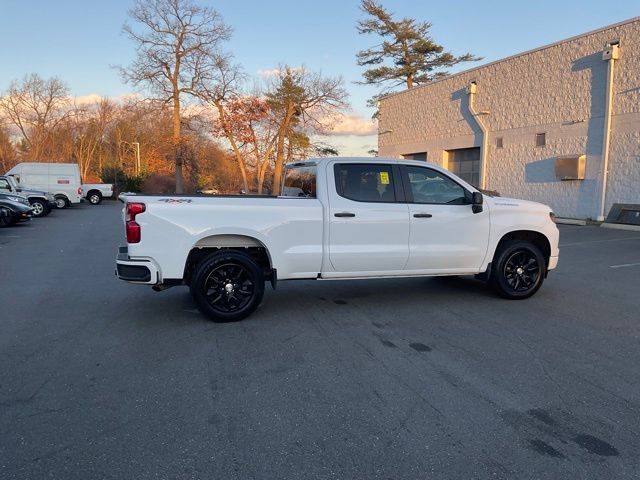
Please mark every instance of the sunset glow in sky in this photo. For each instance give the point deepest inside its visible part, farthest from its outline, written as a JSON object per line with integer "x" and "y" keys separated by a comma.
{"x": 81, "y": 41}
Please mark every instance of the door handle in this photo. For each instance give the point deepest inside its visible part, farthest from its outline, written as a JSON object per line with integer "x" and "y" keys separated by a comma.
{"x": 344, "y": 214}
{"x": 422, "y": 215}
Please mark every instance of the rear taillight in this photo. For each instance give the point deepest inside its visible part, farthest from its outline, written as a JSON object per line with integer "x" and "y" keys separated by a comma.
{"x": 131, "y": 226}
{"x": 79, "y": 190}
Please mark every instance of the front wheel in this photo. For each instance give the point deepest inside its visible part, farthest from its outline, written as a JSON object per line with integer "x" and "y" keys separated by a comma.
{"x": 39, "y": 208}
{"x": 6, "y": 220}
{"x": 518, "y": 270}
{"x": 227, "y": 286}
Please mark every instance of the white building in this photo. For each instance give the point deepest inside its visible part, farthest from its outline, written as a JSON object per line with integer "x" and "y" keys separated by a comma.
{"x": 559, "y": 124}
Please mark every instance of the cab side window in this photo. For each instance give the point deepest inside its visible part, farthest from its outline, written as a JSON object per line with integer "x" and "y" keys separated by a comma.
{"x": 431, "y": 186}
{"x": 4, "y": 184}
{"x": 365, "y": 182}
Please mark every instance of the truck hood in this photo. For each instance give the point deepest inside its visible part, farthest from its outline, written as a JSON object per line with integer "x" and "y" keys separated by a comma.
{"x": 505, "y": 203}
{"x": 15, "y": 197}
{"x": 28, "y": 191}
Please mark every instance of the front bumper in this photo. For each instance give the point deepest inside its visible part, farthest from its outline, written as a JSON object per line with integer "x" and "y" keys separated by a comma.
{"x": 139, "y": 270}
{"x": 25, "y": 216}
{"x": 553, "y": 263}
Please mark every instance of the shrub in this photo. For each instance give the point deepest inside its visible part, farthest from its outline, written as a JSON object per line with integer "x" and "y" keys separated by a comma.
{"x": 156, "y": 183}
{"x": 121, "y": 181}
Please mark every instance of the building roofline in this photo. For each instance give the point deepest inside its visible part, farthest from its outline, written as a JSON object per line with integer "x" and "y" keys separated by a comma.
{"x": 521, "y": 54}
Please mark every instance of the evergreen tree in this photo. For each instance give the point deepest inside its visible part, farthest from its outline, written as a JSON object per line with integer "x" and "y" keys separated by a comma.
{"x": 407, "y": 55}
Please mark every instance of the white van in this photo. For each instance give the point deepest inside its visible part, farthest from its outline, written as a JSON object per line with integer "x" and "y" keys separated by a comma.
{"x": 62, "y": 180}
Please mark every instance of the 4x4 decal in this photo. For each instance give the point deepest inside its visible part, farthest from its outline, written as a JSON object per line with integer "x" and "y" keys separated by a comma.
{"x": 175, "y": 200}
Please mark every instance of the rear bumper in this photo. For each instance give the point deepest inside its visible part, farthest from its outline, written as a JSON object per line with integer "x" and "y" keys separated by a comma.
{"x": 139, "y": 270}
{"x": 553, "y": 263}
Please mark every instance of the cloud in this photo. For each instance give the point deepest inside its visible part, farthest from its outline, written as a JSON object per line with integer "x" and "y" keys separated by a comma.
{"x": 274, "y": 72}
{"x": 88, "y": 99}
{"x": 93, "y": 98}
{"x": 354, "y": 125}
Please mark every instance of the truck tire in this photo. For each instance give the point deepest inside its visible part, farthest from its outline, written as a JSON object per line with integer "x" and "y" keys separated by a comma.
{"x": 518, "y": 269}
{"x": 61, "y": 201}
{"x": 227, "y": 286}
{"x": 39, "y": 208}
{"x": 94, "y": 197}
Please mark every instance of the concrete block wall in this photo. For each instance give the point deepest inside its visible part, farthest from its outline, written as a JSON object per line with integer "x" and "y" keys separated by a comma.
{"x": 559, "y": 90}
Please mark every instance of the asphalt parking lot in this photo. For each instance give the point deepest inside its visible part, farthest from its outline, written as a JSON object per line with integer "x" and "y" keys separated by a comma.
{"x": 389, "y": 379}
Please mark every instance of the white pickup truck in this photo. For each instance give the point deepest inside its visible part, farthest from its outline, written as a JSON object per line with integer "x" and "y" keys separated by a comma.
{"x": 338, "y": 218}
{"x": 95, "y": 192}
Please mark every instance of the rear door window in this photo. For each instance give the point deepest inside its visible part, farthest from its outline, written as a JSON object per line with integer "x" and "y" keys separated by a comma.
{"x": 300, "y": 182}
{"x": 365, "y": 182}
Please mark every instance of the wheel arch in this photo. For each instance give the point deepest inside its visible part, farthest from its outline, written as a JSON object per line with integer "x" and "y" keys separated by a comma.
{"x": 539, "y": 239}
{"x": 242, "y": 243}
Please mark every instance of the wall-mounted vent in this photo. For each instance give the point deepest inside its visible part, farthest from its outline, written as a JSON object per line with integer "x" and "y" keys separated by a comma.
{"x": 541, "y": 139}
{"x": 570, "y": 167}
{"x": 499, "y": 143}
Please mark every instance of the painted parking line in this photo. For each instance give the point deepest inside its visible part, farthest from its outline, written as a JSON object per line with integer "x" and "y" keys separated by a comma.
{"x": 637, "y": 264}
{"x": 587, "y": 242}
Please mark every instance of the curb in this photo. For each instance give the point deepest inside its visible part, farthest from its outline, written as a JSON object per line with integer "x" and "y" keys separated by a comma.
{"x": 570, "y": 221}
{"x": 621, "y": 226}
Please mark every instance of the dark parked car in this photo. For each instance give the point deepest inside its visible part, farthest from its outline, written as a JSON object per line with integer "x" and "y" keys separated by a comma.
{"x": 13, "y": 212}
{"x": 42, "y": 202}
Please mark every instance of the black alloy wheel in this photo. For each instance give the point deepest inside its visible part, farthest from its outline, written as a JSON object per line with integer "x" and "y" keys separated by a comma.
{"x": 518, "y": 269}
{"x": 227, "y": 286}
{"x": 521, "y": 270}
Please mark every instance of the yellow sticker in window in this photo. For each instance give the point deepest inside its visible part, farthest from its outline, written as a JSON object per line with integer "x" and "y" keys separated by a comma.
{"x": 384, "y": 178}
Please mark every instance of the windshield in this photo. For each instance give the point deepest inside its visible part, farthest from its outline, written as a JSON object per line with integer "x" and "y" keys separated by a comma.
{"x": 12, "y": 181}
{"x": 299, "y": 181}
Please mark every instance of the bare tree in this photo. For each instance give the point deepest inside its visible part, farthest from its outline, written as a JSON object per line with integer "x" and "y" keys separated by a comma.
{"x": 7, "y": 150}
{"x": 37, "y": 107}
{"x": 303, "y": 100}
{"x": 224, "y": 96}
{"x": 177, "y": 45}
{"x": 88, "y": 129}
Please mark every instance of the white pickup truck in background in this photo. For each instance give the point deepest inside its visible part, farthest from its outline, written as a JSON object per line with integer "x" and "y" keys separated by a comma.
{"x": 338, "y": 218}
{"x": 95, "y": 192}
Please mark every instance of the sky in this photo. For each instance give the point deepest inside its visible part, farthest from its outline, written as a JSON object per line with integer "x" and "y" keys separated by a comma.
{"x": 81, "y": 41}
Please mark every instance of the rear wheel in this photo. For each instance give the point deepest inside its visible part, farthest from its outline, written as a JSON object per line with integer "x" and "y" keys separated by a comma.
{"x": 61, "y": 201}
{"x": 518, "y": 270}
{"x": 94, "y": 197}
{"x": 39, "y": 208}
{"x": 227, "y": 286}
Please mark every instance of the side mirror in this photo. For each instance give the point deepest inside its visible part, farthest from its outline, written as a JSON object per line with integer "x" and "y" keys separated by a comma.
{"x": 476, "y": 202}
